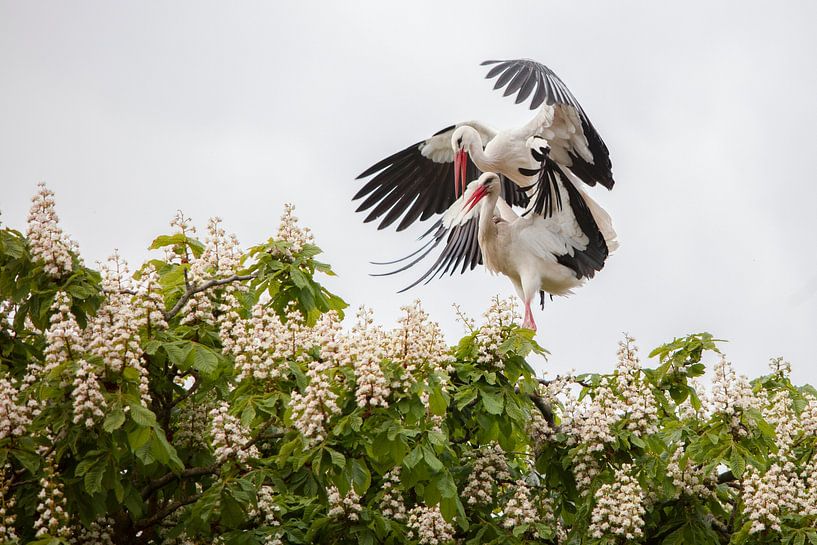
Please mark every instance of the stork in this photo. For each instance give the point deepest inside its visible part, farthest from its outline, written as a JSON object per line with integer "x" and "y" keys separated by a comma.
{"x": 538, "y": 254}
{"x": 414, "y": 182}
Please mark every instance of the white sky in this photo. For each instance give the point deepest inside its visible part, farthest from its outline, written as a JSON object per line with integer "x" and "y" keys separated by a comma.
{"x": 130, "y": 111}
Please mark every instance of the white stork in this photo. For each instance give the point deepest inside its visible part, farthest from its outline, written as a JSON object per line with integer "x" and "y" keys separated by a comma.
{"x": 415, "y": 182}
{"x": 538, "y": 254}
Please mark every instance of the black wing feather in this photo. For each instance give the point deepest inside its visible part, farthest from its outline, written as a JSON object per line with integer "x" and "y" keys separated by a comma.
{"x": 552, "y": 90}
{"x": 409, "y": 185}
{"x": 461, "y": 248}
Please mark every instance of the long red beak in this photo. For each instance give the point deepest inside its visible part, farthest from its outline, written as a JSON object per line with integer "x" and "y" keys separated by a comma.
{"x": 460, "y": 172}
{"x": 475, "y": 197}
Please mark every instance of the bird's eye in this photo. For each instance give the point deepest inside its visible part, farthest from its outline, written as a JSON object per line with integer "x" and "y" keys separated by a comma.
{"x": 459, "y": 142}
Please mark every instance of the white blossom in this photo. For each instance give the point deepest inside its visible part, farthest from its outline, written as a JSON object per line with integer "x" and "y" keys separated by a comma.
{"x": 230, "y": 438}
{"x": 290, "y": 232}
{"x": 312, "y": 409}
{"x": 15, "y": 414}
{"x": 427, "y": 525}
{"x": 365, "y": 351}
{"x": 417, "y": 344}
{"x": 100, "y": 532}
{"x": 7, "y": 502}
{"x": 731, "y": 394}
{"x": 48, "y": 243}
{"x": 519, "y": 509}
{"x": 489, "y": 470}
{"x": 392, "y": 504}
{"x": 88, "y": 402}
{"x": 52, "y": 518}
{"x": 343, "y": 507}
{"x": 192, "y": 423}
{"x": 501, "y": 314}
{"x": 619, "y": 508}
{"x": 688, "y": 478}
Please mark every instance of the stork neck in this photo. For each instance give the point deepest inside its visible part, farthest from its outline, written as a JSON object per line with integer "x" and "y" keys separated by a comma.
{"x": 478, "y": 156}
{"x": 486, "y": 215}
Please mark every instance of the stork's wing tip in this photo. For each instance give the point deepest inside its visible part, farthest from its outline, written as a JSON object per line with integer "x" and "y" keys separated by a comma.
{"x": 486, "y": 63}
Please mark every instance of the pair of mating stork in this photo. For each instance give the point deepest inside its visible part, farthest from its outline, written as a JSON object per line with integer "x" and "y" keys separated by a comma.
{"x": 563, "y": 236}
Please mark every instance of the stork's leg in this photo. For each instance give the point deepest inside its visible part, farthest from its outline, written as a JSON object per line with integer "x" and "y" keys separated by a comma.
{"x": 528, "y": 323}
{"x": 530, "y": 287}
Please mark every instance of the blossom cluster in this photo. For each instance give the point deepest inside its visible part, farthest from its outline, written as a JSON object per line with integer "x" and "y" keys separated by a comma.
{"x": 489, "y": 469}
{"x": 639, "y": 405}
{"x": 417, "y": 344}
{"x": 7, "y": 502}
{"x": 343, "y": 507}
{"x": 501, "y": 314}
{"x": 520, "y": 508}
{"x": 52, "y": 517}
{"x": 63, "y": 338}
{"x": 312, "y": 410}
{"x": 48, "y": 243}
{"x": 428, "y": 527}
{"x": 15, "y": 415}
{"x": 99, "y": 532}
{"x": 230, "y": 438}
{"x": 619, "y": 507}
{"x": 688, "y": 478}
{"x": 392, "y": 504}
{"x": 731, "y": 394}
{"x": 366, "y": 349}
{"x": 89, "y": 403}
{"x": 192, "y": 422}
{"x": 290, "y": 232}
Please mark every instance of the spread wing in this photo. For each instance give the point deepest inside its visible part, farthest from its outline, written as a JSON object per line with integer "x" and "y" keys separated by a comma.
{"x": 458, "y": 230}
{"x": 561, "y": 120}
{"x": 418, "y": 181}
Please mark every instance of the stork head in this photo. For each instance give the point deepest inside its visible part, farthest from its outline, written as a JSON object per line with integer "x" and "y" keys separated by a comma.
{"x": 487, "y": 184}
{"x": 463, "y": 138}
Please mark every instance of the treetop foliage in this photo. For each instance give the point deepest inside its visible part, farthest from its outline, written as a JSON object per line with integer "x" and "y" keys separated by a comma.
{"x": 213, "y": 395}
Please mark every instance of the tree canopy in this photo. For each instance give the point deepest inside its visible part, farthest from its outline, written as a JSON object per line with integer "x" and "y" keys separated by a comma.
{"x": 214, "y": 395}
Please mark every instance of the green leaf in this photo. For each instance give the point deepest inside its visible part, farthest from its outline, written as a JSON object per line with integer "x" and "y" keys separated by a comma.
{"x": 204, "y": 360}
{"x": 298, "y": 278}
{"x": 337, "y": 458}
{"x": 93, "y": 478}
{"x": 29, "y": 460}
{"x": 413, "y": 457}
{"x": 142, "y": 415}
{"x": 737, "y": 463}
{"x": 361, "y": 477}
{"x": 114, "y": 420}
{"x": 178, "y": 352}
{"x": 492, "y": 401}
{"x": 437, "y": 401}
{"x": 431, "y": 459}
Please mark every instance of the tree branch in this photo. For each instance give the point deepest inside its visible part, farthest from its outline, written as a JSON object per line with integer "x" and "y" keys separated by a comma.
{"x": 166, "y": 511}
{"x": 543, "y": 406}
{"x": 156, "y": 484}
{"x": 193, "y": 290}
{"x": 545, "y": 381}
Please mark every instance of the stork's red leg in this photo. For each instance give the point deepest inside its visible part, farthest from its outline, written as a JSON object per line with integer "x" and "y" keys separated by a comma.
{"x": 528, "y": 323}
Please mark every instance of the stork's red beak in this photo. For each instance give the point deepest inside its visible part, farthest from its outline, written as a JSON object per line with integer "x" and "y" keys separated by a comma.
{"x": 460, "y": 172}
{"x": 475, "y": 197}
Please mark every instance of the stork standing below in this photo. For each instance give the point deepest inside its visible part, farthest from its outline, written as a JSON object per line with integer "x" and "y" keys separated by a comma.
{"x": 528, "y": 250}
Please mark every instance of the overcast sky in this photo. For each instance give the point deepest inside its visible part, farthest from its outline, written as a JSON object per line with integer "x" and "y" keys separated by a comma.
{"x": 130, "y": 111}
